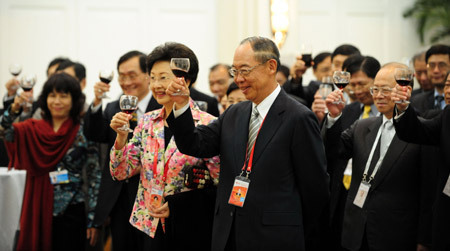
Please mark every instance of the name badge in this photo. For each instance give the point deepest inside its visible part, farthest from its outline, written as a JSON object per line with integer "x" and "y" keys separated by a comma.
{"x": 447, "y": 187}
{"x": 59, "y": 177}
{"x": 156, "y": 197}
{"x": 239, "y": 191}
{"x": 361, "y": 195}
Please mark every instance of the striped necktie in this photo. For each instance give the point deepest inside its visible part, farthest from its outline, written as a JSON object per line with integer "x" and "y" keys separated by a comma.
{"x": 253, "y": 128}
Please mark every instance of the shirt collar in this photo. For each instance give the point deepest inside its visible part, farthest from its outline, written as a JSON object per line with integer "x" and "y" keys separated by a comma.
{"x": 264, "y": 106}
{"x": 142, "y": 105}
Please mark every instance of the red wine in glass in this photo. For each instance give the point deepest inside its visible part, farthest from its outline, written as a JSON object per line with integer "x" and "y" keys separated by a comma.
{"x": 179, "y": 73}
{"x": 27, "y": 89}
{"x": 403, "y": 82}
{"x": 105, "y": 80}
{"x": 341, "y": 85}
{"x": 307, "y": 58}
{"x": 128, "y": 111}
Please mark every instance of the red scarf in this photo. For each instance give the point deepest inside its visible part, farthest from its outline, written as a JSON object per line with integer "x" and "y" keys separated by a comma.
{"x": 38, "y": 149}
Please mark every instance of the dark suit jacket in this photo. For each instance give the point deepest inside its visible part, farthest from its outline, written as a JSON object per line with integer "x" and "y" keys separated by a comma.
{"x": 288, "y": 192}
{"x": 97, "y": 129}
{"x": 397, "y": 203}
{"x": 213, "y": 108}
{"x": 432, "y": 132}
{"x": 423, "y": 102}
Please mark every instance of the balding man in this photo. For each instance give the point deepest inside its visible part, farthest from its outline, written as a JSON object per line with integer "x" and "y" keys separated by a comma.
{"x": 387, "y": 207}
{"x": 273, "y": 186}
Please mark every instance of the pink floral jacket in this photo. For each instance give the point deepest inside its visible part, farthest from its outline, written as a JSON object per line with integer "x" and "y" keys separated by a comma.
{"x": 137, "y": 157}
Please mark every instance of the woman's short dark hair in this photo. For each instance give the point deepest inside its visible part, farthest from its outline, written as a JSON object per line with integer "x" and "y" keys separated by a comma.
{"x": 232, "y": 87}
{"x": 319, "y": 58}
{"x": 369, "y": 65}
{"x": 64, "y": 83}
{"x": 170, "y": 50}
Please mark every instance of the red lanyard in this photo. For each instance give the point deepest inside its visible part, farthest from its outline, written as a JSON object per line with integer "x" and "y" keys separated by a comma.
{"x": 250, "y": 160}
{"x": 155, "y": 163}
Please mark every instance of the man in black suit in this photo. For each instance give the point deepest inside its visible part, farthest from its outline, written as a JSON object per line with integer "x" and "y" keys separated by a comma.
{"x": 363, "y": 70}
{"x": 430, "y": 132}
{"x": 388, "y": 205}
{"x": 116, "y": 198}
{"x": 438, "y": 63}
{"x": 286, "y": 199}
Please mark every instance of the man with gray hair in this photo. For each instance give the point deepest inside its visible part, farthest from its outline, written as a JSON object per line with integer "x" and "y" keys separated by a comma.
{"x": 388, "y": 205}
{"x": 273, "y": 187}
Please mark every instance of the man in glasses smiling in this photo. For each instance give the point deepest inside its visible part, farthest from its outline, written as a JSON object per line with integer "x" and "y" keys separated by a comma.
{"x": 389, "y": 203}
{"x": 270, "y": 150}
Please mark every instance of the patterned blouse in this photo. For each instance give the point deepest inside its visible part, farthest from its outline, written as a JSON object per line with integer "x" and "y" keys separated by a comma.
{"x": 137, "y": 157}
{"x": 82, "y": 159}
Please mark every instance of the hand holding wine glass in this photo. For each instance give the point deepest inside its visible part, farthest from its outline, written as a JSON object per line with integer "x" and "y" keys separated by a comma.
{"x": 27, "y": 83}
{"x": 180, "y": 68}
{"x": 341, "y": 80}
{"x": 403, "y": 77}
{"x": 128, "y": 104}
{"x": 106, "y": 76}
{"x": 13, "y": 85}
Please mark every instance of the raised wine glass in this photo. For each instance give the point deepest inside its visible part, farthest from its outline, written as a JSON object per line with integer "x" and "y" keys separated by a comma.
{"x": 27, "y": 83}
{"x": 306, "y": 51}
{"x": 106, "y": 76}
{"x": 202, "y": 105}
{"x": 403, "y": 77}
{"x": 341, "y": 80}
{"x": 15, "y": 70}
{"x": 128, "y": 104}
{"x": 326, "y": 88}
{"x": 180, "y": 68}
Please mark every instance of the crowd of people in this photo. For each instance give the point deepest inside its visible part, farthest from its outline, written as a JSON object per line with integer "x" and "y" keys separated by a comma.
{"x": 267, "y": 163}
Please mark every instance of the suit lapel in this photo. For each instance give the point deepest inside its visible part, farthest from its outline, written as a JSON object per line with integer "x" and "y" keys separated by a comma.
{"x": 270, "y": 126}
{"x": 241, "y": 135}
{"x": 152, "y": 105}
{"x": 371, "y": 136}
{"x": 395, "y": 149}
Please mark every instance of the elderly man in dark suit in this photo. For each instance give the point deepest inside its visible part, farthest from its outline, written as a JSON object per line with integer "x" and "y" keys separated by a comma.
{"x": 436, "y": 132}
{"x": 285, "y": 202}
{"x": 116, "y": 198}
{"x": 387, "y": 206}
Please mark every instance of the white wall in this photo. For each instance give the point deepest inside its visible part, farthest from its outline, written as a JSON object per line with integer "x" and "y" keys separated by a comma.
{"x": 96, "y": 33}
{"x": 376, "y": 27}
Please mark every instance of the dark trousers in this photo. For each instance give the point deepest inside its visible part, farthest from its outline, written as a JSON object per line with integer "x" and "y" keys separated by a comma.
{"x": 124, "y": 236}
{"x": 69, "y": 229}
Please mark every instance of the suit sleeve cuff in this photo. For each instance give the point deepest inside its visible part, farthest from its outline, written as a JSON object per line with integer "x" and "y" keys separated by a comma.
{"x": 177, "y": 113}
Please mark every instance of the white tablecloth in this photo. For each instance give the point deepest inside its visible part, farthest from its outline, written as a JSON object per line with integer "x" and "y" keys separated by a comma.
{"x": 12, "y": 184}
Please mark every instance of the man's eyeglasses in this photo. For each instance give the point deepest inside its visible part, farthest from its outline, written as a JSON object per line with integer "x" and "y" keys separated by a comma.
{"x": 243, "y": 72}
{"x": 132, "y": 77}
{"x": 385, "y": 91}
{"x": 440, "y": 65}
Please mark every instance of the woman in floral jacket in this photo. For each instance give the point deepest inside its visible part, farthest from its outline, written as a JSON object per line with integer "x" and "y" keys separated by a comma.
{"x": 165, "y": 209}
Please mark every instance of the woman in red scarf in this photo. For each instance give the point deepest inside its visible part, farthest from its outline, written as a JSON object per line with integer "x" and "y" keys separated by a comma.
{"x": 53, "y": 151}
